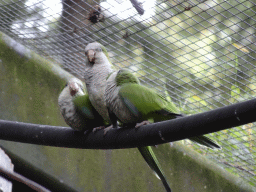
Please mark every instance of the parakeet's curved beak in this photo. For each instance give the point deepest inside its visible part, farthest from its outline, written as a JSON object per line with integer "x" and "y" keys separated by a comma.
{"x": 91, "y": 56}
{"x": 73, "y": 88}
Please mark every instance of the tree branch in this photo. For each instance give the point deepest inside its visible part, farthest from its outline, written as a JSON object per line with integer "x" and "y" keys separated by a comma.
{"x": 138, "y": 6}
{"x": 153, "y": 134}
{"x": 36, "y": 174}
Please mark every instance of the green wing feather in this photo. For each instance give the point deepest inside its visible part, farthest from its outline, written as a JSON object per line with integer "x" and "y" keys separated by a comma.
{"x": 146, "y": 103}
{"x": 84, "y": 106}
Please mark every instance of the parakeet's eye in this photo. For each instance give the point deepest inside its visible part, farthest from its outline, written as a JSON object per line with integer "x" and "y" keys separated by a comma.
{"x": 66, "y": 85}
{"x": 98, "y": 49}
{"x": 81, "y": 87}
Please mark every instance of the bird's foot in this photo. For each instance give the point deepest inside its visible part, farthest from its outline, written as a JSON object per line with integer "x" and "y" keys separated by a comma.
{"x": 86, "y": 133}
{"x": 98, "y": 128}
{"x": 107, "y": 129}
{"x": 138, "y": 125}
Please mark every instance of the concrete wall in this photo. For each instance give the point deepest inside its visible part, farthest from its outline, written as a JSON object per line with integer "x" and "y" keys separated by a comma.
{"x": 29, "y": 88}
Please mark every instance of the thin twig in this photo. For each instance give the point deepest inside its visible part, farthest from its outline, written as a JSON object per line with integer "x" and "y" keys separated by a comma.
{"x": 13, "y": 176}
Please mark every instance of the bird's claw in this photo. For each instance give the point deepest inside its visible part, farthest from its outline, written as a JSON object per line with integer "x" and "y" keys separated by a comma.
{"x": 98, "y": 128}
{"x": 87, "y": 132}
{"x": 138, "y": 125}
{"x": 107, "y": 129}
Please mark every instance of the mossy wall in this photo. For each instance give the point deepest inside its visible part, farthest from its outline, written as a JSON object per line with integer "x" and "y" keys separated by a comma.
{"x": 29, "y": 88}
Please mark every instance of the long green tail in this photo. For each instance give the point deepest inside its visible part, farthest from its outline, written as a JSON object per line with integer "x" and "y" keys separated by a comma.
{"x": 203, "y": 140}
{"x": 153, "y": 163}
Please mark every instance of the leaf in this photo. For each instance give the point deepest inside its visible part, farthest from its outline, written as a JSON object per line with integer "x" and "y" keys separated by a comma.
{"x": 198, "y": 99}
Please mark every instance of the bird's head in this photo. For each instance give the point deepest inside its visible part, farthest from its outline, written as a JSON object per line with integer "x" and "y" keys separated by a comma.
{"x": 126, "y": 76}
{"x": 96, "y": 53}
{"x": 75, "y": 87}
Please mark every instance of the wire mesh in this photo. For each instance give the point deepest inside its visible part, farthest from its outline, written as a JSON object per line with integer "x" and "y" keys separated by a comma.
{"x": 199, "y": 53}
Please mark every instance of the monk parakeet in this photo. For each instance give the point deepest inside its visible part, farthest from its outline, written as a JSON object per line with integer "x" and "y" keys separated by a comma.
{"x": 131, "y": 103}
{"x": 97, "y": 68}
{"x": 76, "y": 107}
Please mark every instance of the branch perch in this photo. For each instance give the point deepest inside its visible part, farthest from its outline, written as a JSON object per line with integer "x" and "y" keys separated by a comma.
{"x": 153, "y": 134}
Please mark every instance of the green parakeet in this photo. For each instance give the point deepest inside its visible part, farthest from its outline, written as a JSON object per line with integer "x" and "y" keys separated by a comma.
{"x": 131, "y": 103}
{"x": 76, "y": 107}
{"x": 97, "y": 68}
